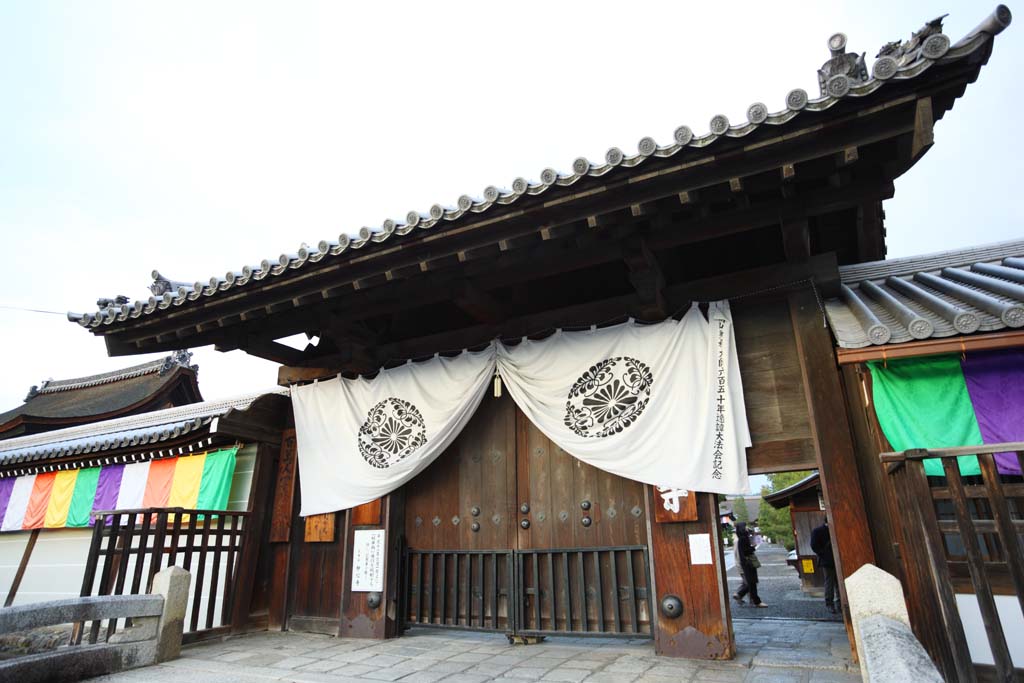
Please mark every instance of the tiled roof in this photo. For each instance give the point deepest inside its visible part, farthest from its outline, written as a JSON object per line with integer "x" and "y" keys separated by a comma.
{"x": 780, "y": 499}
{"x": 145, "y": 431}
{"x": 844, "y": 77}
{"x": 102, "y": 394}
{"x": 938, "y": 295}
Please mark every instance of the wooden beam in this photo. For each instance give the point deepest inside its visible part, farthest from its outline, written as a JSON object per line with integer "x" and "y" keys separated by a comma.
{"x": 933, "y": 347}
{"x": 870, "y": 232}
{"x": 272, "y": 351}
{"x": 924, "y": 136}
{"x": 790, "y": 455}
{"x": 822, "y": 268}
{"x": 647, "y": 279}
{"x": 833, "y": 443}
{"x": 480, "y": 305}
{"x": 796, "y": 238}
{"x": 847, "y": 156}
{"x": 288, "y": 375}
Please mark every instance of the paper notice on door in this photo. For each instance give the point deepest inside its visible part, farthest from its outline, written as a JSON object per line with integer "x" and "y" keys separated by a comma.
{"x": 368, "y": 560}
{"x": 700, "y": 548}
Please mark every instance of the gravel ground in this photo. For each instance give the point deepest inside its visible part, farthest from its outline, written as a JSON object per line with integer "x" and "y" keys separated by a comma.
{"x": 779, "y": 587}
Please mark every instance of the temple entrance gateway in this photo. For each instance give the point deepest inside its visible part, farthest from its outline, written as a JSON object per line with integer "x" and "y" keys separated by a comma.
{"x": 507, "y": 532}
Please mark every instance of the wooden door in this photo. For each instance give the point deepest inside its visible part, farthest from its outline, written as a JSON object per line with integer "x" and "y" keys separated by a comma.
{"x": 315, "y": 576}
{"x": 581, "y": 564}
{"x": 506, "y": 531}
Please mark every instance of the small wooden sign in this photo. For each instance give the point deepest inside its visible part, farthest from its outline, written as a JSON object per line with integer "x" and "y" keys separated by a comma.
{"x": 674, "y": 505}
{"x": 367, "y": 514}
{"x": 320, "y": 528}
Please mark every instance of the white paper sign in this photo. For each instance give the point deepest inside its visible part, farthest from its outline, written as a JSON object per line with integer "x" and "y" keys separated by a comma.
{"x": 700, "y": 548}
{"x": 368, "y": 560}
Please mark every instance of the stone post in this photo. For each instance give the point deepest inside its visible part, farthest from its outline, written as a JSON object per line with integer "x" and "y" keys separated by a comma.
{"x": 886, "y": 646}
{"x": 172, "y": 583}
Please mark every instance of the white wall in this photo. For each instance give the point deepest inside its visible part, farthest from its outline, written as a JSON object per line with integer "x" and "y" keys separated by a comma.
{"x": 57, "y": 564}
{"x": 974, "y": 628}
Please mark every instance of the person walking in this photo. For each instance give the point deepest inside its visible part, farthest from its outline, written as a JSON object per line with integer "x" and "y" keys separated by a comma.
{"x": 748, "y": 563}
{"x": 821, "y": 544}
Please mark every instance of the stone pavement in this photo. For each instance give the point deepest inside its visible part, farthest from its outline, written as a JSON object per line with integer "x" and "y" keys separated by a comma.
{"x": 779, "y": 587}
{"x": 770, "y": 651}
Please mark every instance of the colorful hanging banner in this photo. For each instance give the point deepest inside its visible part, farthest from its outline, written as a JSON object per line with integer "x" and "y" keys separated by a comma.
{"x": 68, "y": 498}
{"x": 943, "y": 401}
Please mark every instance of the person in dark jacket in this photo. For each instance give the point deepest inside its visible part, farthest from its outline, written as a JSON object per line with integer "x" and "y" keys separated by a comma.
{"x": 744, "y": 554}
{"x": 821, "y": 544}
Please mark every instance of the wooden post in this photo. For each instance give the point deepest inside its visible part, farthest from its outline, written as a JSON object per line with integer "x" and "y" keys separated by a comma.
{"x": 833, "y": 442}
{"x": 252, "y": 545}
{"x": 704, "y": 628}
{"x": 358, "y": 619}
{"x": 935, "y": 618}
{"x": 280, "y": 533}
{"x": 16, "y": 583}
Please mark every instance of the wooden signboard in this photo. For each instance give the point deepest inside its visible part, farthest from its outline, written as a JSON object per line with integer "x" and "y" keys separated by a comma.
{"x": 284, "y": 491}
{"x": 674, "y": 505}
{"x": 367, "y": 514}
{"x": 320, "y": 528}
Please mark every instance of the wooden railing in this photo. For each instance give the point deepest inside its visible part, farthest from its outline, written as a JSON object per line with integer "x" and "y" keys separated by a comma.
{"x": 961, "y": 534}
{"x": 129, "y": 547}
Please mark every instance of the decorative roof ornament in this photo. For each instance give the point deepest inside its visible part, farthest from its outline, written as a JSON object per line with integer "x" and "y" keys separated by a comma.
{"x": 116, "y": 302}
{"x": 843, "y": 70}
{"x": 178, "y": 359}
{"x": 162, "y": 285}
{"x": 930, "y": 42}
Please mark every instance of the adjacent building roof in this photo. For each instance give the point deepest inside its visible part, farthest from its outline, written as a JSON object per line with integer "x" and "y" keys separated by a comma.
{"x": 141, "y": 433}
{"x": 60, "y": 403}
{"x": 780, "y": 498}
{"x": 752, "y": 502}
{"x": 962, "y": 292}
{"x": 844, "y": 78}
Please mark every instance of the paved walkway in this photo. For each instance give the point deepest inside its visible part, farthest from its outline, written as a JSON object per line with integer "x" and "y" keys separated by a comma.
{"x": 769, "y": 652}
{"x": 779, "y": 587}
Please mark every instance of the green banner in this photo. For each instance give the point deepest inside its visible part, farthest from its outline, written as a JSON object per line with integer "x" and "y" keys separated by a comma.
{"x": 923, "y": 403}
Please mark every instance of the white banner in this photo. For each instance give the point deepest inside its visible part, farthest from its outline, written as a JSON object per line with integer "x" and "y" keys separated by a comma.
{"x": 359, "y": 439}
{"x": 661, "y": 404}
{"x": 647, "y": 402}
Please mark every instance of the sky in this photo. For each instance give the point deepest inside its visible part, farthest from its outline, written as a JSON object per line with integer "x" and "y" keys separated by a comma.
{"x": 195, "y": 137}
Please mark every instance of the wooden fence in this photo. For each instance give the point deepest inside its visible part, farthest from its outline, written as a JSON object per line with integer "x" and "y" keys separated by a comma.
{"x": 129, "y": 547}
{"x": 961, "y": 534}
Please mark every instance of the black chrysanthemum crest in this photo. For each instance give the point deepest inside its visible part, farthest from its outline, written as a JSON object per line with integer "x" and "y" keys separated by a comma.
{"x": 608, "y": 397}
{"x": 393, "y": 430}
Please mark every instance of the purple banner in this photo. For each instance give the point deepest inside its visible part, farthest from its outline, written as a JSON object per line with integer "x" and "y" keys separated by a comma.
{"x": 6, "y": 486}
{"x": 995, "y": 381}
{"x": 107, "y": 489}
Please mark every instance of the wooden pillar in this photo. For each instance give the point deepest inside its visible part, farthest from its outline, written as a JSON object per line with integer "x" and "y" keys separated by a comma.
{"x": 280, "y": 532}
{"x": 833, "y": 442}
{"x": 704, "y": 628}
{"x": 358, "y": 619}
{"x": 259, "y": 497}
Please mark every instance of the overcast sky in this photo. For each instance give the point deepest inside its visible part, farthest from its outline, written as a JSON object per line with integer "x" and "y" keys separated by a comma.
{"x": 196, "y": 138}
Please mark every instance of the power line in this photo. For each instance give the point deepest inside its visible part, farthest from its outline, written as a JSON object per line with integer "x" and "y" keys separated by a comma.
{"x": 31, "y": 310}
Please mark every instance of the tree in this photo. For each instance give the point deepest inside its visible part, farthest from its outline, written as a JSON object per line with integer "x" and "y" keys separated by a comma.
{"x": 740, "y": 510}
{"x": 776, "y": 524}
